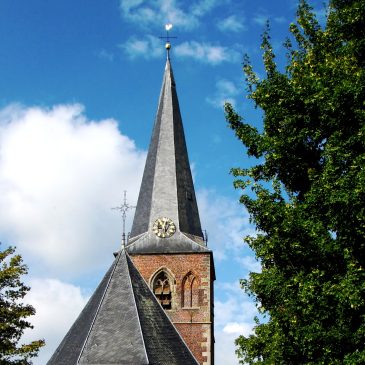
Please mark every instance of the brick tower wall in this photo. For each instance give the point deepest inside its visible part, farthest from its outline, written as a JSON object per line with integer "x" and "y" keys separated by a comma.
{"x": 194, "y": 323}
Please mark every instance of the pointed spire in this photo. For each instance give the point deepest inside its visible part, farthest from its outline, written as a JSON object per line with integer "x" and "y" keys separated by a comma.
{"x": 167, "y": 189}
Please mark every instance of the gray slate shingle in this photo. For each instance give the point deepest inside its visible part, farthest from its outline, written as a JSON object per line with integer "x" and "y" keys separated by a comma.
{"x": 167, "y": 188}
{"x": 163, "y": 343}
{"x": 123, "y": 324}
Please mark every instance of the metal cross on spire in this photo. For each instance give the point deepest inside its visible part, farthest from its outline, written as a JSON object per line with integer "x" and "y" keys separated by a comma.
{"x": 124, "y": 208}
{"x": 168, "y": 37}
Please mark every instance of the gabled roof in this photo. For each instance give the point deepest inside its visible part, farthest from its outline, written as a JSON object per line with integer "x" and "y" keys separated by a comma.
{"x": 123, "y": 324}
{"x": 167, "y": 188}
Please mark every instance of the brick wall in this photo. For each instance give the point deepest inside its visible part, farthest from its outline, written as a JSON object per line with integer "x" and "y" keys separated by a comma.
{"x": 194, "y": 323}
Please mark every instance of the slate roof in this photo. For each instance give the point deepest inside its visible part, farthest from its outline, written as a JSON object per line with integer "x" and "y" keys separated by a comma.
{"x": 123, "y": 324}
{"x": 167, "y": 188}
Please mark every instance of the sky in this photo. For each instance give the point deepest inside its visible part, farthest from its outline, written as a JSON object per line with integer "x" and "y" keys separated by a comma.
{"x": 79, "y": 87}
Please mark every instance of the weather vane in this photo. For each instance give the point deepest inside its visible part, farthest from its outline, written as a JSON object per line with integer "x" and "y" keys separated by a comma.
{"x": 168, "y": 37}
{"x": 124, "y": 208}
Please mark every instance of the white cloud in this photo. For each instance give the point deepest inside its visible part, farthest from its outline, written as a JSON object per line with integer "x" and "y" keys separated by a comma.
{"x": 233, "y": 317}
{"x": 57, "y": 306}
{"x": 148, "y": 47}
{"x": 226, "y": 221}
{"x": 226, "y": 91}
{"x": 235, "y": 309}
{"x": 232, "y": 24}
{"x": 238, "y": 328}
{"x": 206, "y": 52}
{"x": 249, "y": 263}
{"x": 158, "y": 12}
{"x": 225, "y": 348}
{"x": 60, "y": 174}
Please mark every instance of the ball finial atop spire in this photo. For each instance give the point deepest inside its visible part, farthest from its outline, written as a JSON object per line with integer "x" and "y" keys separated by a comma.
{"x": 168, "y": 27}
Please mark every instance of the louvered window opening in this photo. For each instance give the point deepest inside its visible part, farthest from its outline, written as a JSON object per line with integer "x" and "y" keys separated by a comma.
{"x": 162, "y": 290}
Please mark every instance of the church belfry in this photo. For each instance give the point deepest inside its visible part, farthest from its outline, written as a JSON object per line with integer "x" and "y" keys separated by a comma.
{"x": 155, "y": 304}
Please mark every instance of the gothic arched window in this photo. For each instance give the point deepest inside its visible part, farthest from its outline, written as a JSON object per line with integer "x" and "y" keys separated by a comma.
{"x": 162, "y": 289}
{"x": 190, "y": 294}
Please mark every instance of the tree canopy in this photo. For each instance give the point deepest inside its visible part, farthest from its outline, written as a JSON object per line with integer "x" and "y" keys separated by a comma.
{"x": 306, "y": 194}
{"x": 13, "y": 312}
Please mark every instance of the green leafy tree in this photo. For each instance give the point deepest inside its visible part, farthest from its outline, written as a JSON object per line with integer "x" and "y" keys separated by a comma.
{"x": 13, "y": 312}
{"x": 306, "y": 194}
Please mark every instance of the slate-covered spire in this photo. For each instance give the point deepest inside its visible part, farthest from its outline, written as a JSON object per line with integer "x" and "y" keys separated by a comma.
{"x": 167, "y": 189}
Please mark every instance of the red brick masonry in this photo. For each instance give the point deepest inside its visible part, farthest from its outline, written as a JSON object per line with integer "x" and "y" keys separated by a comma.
{"x": 195, "y": 323}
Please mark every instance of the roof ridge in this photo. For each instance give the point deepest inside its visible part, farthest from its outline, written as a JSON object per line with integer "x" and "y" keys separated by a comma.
{"x": 164, "y": 312}
{"x": 187, "y": 357}
{"x": 98, "y": 309}
{"x": 135, "y": 304}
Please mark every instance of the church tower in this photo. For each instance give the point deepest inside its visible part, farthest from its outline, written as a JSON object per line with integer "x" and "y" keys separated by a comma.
{"x": 155, "y": 304}
{"x": 166, "y": 242}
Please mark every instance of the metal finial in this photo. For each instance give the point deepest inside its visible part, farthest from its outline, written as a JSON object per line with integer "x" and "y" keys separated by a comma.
{"x": 168, "y": 37}
{"x": 124, "y": 208}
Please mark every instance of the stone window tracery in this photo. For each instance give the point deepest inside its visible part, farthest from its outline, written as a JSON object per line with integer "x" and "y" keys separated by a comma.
{"x": 162, "y": 290}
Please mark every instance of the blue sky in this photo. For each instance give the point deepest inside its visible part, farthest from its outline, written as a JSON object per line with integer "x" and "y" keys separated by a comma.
{"x": 79, "y": 88}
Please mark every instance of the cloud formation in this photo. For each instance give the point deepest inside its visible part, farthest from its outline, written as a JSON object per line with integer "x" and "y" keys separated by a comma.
{"x": 58, "y": 304}
{"x": 157, "y": 12}
{"x": 232, "y": 24}
{"x": 249, "y": 263}
{"x": 147, "y": 47}
{"x": 233, "y": 317}
{"x": 206, "y": 52}
{"x": 226, "y": 221}
{"x": 226, "y": 92}
{"x": 60, "y": 173}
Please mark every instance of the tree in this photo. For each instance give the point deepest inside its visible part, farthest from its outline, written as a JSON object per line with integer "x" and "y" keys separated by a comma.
{"x": 306, "y": 194}
{"x": 13, "y": 312}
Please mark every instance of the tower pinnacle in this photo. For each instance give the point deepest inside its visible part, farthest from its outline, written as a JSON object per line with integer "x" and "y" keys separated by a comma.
{"x": 167, "y": 217}
{"x": 168, "y": 27}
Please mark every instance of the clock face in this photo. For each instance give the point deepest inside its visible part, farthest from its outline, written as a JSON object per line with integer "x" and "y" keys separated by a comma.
{"x": 164, "y": 227}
